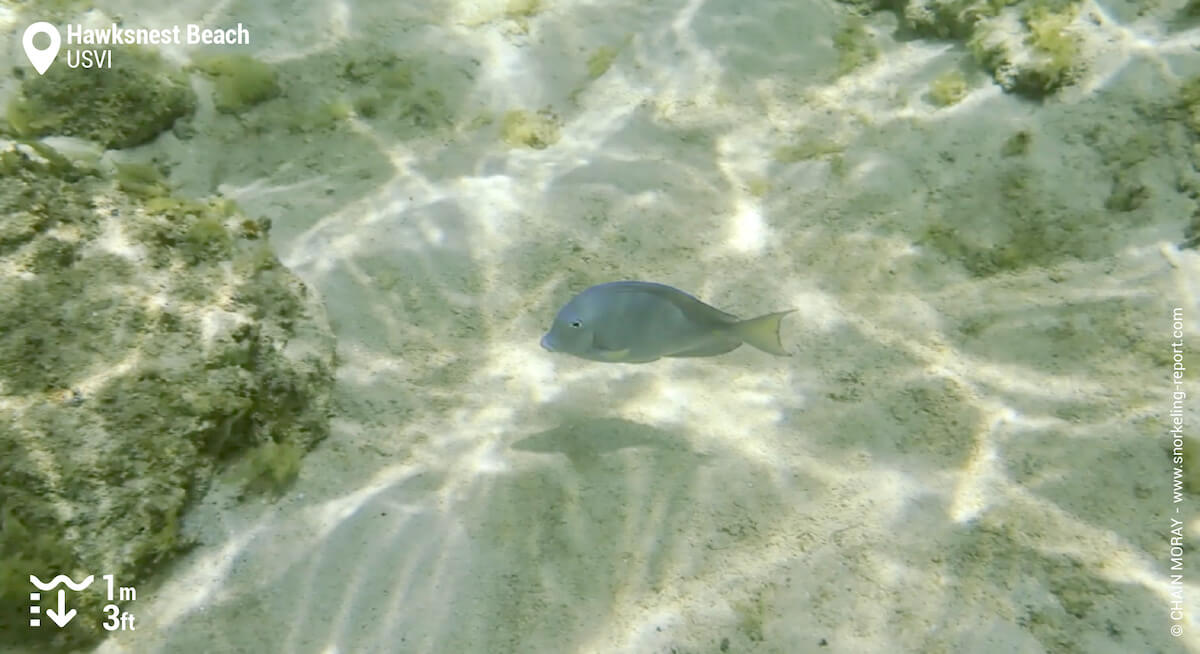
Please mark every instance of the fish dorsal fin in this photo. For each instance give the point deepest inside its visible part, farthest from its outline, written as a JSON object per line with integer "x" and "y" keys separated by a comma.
{"x": 696, "y": 311}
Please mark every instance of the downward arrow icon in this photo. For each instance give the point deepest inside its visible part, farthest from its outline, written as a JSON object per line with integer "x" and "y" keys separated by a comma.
{"x": 62, "y": 616}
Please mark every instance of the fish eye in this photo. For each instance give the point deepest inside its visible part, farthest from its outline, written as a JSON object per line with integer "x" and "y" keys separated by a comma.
{"x": 577, "y": 324}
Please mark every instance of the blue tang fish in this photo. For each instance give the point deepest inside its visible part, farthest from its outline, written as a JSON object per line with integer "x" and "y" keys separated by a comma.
{"x": 636, "y": 322}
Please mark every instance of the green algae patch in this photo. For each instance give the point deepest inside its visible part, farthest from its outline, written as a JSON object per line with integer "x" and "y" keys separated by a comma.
{"x": 141, "y": 352}
{"x": 1033, "y": 233}
{"x": 270, "y": 468}
{"x": 522, "y": 8}
{"x": 807, "y": 145}
{"x": 948, "y": 88}
{"x": 531, "y": 130}
{"x": 1017, "y": 145}
{"x": 600, "y": 61}
{"x": 854, "y": 46}
{"x": 126, "y": 105}
{"x": 410, "y": 95}
{"x": 141, "y": 180}
{"x": 239, "y": 81}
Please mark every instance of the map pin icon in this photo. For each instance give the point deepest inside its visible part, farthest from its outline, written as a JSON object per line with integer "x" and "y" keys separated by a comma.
{"x": 41, "y": 59}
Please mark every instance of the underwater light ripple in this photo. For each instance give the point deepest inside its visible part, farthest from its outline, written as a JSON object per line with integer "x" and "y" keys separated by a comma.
{"x": 749, "y": 229}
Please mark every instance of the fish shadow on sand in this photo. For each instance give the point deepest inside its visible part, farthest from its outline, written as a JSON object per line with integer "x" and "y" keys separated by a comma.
{"x": 583, "y": 440}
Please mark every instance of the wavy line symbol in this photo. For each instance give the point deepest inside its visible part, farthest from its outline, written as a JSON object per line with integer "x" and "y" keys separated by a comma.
{"x": 61, "y": 579}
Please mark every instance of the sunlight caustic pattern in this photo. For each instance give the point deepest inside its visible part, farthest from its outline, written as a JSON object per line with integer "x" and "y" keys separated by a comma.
{"x": 481, "y": 495}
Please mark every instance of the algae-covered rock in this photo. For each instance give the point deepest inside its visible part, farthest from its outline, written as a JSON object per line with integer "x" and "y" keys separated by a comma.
{"x": 1035, "y": 55}
{"x": 957, "y": 19}
{"x": 119, "y": 107}
{"x": 145, "y": 343}
{"x": 1030, "y": 47}
{"x": 1187, "y": 107}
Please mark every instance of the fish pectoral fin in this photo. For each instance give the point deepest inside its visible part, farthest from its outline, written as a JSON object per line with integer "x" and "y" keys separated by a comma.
{"x": 615, "y": 356}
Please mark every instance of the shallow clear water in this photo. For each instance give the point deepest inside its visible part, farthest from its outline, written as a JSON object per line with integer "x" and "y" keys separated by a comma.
{"x": 271, "y": 354}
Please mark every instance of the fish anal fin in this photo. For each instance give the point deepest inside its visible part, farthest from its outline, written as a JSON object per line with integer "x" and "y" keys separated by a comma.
{"x": 709, "y": 349}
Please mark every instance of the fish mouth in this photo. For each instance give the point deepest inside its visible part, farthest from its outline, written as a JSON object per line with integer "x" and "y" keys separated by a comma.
{"x": 546, "y": 344}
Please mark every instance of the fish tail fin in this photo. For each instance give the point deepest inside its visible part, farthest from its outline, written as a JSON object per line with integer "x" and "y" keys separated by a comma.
{"x": 763, "y": 332}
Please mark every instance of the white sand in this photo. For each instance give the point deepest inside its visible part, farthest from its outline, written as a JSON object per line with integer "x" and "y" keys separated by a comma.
{"x": 949, "y": 463}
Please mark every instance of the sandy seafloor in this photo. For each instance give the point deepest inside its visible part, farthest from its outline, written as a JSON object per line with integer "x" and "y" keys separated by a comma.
{"x": 950, "y": 462}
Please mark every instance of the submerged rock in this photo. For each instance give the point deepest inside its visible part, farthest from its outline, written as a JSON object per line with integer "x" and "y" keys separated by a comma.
{"x": 146, "y": 342}
{"x": 1032, "y": 48}
{"x": 119, "y": 106}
